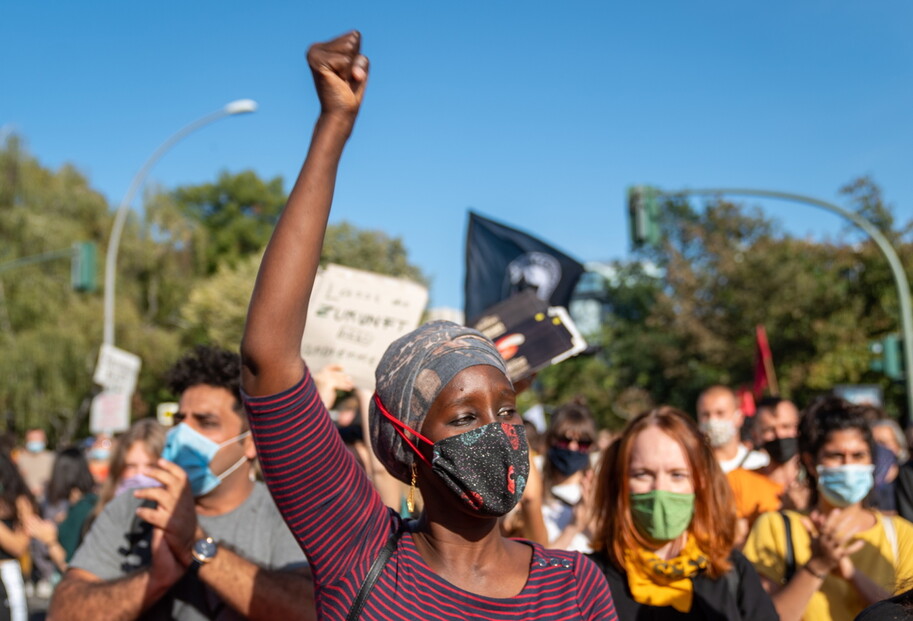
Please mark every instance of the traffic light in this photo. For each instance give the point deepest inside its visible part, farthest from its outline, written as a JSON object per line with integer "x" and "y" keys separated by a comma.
{"x": 643, "y": 215}
{"x": 82, "y": 267}
{"x": 889, "y": 356}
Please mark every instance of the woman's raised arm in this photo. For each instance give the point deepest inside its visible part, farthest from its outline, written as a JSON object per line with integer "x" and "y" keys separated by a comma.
{"x": 270, "y": 348}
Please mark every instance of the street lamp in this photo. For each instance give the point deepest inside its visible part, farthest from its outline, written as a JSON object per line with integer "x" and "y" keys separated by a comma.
{"x": 897, "y": 269}
{"x": 240, "y": 106}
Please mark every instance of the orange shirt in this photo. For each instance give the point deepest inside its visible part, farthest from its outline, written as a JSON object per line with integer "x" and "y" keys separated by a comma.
{"x": 754, "y": 493}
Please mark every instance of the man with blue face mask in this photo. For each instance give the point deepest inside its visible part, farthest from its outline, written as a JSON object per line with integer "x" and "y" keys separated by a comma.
{"x": 195, "y": 545}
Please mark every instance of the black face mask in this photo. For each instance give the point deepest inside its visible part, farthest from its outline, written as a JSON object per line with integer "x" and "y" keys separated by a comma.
{"x": 566, "y": 461}
{"x": 486, "y": 468}
{"x": 782, "y": 450}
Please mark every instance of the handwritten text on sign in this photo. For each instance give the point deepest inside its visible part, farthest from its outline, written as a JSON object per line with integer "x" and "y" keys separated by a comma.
{"x": 354, "y": 315}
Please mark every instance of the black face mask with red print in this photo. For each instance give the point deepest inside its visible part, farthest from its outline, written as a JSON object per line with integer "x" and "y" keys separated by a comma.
{"x": 487, "y": 468}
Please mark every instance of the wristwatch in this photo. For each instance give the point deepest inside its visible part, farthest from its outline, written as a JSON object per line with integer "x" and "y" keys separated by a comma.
{"x": 203, "y": 551}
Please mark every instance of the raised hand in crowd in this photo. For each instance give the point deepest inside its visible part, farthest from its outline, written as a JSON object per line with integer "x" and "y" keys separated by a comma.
{"x": 329, "y": 379}
{"x": 272, "y": 333}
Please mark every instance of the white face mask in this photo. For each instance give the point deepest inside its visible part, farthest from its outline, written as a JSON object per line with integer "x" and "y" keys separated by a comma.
{"x": 719, "y": 431}
{"x": 568, "y": 493}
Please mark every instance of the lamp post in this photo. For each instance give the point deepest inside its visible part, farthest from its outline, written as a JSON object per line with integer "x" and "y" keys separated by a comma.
{"x": 240, "y": 106}
{"x": 897, "y": 269}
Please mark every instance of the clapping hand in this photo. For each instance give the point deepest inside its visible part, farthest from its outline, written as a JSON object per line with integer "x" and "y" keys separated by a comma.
{"x": 832, "y": 541}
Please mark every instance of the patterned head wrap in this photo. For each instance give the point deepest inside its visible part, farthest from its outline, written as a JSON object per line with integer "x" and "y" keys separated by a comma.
{"x": 411, "y": 374}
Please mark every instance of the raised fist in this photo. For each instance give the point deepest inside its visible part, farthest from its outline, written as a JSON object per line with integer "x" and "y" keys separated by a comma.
{"x": 340, "y": 74}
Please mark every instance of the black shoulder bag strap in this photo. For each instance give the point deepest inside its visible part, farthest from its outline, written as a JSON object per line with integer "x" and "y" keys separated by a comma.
{"x": 374, "y": 573}
{"x": 790, "y": 557}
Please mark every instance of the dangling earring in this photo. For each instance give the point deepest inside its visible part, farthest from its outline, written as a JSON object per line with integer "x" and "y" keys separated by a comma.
{"x": 410, "y": 497}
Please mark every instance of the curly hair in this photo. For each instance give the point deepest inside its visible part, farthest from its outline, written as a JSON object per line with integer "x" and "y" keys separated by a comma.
{"x": 209, "y": 365}
{"x": 824, "y": 416}
{"x": 828, "y": 414}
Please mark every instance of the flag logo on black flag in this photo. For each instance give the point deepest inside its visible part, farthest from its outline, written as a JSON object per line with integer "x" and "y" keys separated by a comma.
{"x": 502, "y": 261}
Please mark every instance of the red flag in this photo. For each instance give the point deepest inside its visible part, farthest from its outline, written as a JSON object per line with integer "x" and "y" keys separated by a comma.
{"x": 764, "y": 375}
{"x": 746, "y": 401}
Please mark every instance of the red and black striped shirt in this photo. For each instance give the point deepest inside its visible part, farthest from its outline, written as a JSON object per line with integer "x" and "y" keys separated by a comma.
{"x": 340, "y": 522}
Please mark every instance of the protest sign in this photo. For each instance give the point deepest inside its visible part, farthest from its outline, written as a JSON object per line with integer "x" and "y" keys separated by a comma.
{"x": 110, "y": 412}
{"x": 354, "y": 315}
{"x": 530, "y": 334}
{"x": 117, "y": 370}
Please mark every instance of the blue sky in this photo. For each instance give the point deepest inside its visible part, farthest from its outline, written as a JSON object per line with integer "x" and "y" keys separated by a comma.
{"x": 538, "y": 114}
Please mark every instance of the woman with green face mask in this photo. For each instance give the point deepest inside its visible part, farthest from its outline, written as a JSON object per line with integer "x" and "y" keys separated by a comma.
{"x": 666, "y": 525}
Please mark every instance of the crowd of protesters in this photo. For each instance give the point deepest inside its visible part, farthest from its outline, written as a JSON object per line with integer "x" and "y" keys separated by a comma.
{"x": 654, "y": 512}
{"x": 282, "y": 494}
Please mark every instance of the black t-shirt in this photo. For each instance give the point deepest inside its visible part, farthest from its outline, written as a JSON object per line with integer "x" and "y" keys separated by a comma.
{"x": 737, "y": 595}
{"x": 904, "y": 489}
{"x": 895, "y": 609}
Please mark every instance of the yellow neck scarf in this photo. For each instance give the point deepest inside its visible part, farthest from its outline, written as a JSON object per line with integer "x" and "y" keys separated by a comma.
{"x": 657, "y": 582}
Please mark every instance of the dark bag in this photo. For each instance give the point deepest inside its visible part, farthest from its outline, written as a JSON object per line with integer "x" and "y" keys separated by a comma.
{"x": 790, "y": 556}
{"x": 374, "y": 573}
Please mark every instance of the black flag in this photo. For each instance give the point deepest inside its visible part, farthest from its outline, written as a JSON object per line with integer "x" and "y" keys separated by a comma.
{"x": 501, "y": 261}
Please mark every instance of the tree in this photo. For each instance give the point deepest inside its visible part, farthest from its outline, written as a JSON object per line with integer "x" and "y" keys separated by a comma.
{"x": 372, "y": 251}
{"x": 724, "y": 269}
{"x": 611, "y": 379}
{"x": 238, "y": 212}
{"x": 217, "y": 307}
{"x": 228, "y": 223}
{"x": 46, "y": 329}
{"x": 185, "y": 270}
{"x": 49, "y": 334}
{"x": 730, "y": 268}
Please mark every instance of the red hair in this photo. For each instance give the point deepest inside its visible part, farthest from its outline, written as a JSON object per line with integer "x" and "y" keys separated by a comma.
{"x": 714, "y": 520}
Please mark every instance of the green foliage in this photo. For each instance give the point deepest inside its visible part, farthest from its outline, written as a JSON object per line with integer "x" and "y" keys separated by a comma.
{"x": 817, "y": 317}
{"x": 216, "y": 308}
{"x": 228, "y": 223}
{"x": 49, "y": 333}
{"x": 869, "y": 203}
{"x": 373, "y": 251}
{"x": 238, "y": 212}
{"x": 185, "y": 271}
{"x": 46, "y": 328}
{"x": 683, "y": 315}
